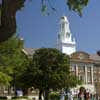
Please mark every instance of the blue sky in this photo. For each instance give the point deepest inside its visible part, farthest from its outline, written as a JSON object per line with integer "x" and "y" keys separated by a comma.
{"x": 41, "y": 31}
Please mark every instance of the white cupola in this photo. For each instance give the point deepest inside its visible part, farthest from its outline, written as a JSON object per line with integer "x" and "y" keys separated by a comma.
{"x": 66, "y": 44}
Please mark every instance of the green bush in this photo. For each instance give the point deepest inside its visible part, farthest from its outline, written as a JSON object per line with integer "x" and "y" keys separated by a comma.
{"x": 3, "y": 98}
{"x": 54, "y": 96}
{"x": 16, "y": 97}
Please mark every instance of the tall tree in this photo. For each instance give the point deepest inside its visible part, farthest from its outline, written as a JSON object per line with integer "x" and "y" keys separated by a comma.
{"x": 8, "y": 9}
{"x": 49, "y": 69}
{"x": 12, "y": 59}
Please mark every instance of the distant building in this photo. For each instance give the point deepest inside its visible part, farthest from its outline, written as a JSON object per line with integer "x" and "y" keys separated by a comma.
{"x": 85, "y": 66}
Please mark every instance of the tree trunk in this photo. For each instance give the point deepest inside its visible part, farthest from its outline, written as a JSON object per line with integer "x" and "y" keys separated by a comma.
{"x": 9, "y": 90}
{"x": 25, "y": 91}
{"x": 40, "y": 94}
{"x": 8, "y": 18}
{"x": 46, "y": 96}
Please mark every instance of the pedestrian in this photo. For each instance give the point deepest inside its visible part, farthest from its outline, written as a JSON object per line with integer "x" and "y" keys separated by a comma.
{"x": 81, "y": 96}
{"x": 62, "y": 95}
{"x": 86, "y": 95}
{"x": 71, "y": 96}
{"x": 81, "y": 93}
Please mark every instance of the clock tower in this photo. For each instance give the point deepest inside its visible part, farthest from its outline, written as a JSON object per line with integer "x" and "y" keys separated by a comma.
{"x": 66, "y": 44}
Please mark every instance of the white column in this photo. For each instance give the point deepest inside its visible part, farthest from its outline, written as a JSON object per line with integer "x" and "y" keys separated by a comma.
{"x": 76, "y": 70}
{"x": 92, "y": 74}
{"x": 85, "y": 74}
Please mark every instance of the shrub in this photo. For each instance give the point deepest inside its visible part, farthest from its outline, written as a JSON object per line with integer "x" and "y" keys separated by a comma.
{"x": 16, "y": 97}
{"x": 54, "y": 96}
{"x": 3, "y": 98}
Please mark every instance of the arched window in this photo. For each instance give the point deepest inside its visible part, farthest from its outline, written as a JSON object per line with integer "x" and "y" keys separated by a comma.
{"x": 67, "y": 35}
{"x": 62, "y": 26}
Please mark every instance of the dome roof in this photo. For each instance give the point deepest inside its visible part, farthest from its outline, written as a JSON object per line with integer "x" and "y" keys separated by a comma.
{"x": 64, "y": 18}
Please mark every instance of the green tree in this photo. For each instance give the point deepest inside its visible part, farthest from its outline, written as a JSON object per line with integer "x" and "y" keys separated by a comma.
{"x": 4, "y": 79}
{"x": 8, "y": 9}
{"x": 12, "y": 60}
{"x": 49, "y": 69}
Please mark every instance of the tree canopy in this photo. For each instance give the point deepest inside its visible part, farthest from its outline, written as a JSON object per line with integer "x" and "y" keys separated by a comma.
{"x": 8, "y": 9}
{"x": 49, "y": 69}
{"x": 51, "y": 66}
{"x": 12, "y": 61}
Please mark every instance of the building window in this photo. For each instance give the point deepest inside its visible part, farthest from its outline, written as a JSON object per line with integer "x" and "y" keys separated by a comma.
{"x": 73, "y": 68}
{"x": 95, "y": 78}
{"x": 67, "y": 35}
{"x": 81, "y": 77}
{"x": 88, "y": 78}
{"x": 62, "y": 26}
